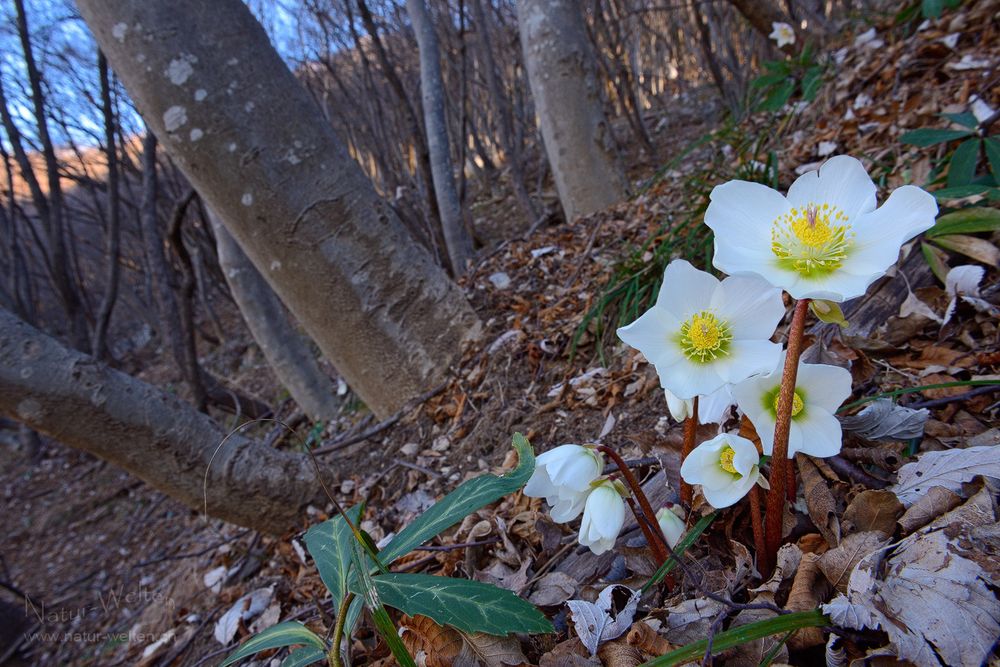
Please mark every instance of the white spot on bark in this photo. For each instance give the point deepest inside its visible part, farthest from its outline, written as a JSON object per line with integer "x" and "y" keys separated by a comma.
{"x": 141, "y": 57}
{"x": 247, "y": 199}
{"x": 275, "y": 265}
{"x": 29, "y": 409}
{"x": 232, "y": 61}
{"x": 180, "y": 69}
{"x": 292, "y": 158}
{"x": 249, "y": 107}
{"x": 174, "y": 118}
{"x": 118, "y": 32}
{"x": 231, "y": 147}
{"x": 200, "y": 94}
{"x": 196, "y": 134}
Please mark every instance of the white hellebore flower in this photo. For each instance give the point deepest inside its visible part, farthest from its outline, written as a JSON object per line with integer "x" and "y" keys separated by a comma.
{"x": 819, "y": 391}
{"x": 603, "y": 517}
{"x": 562, "y": 476}
{"x": 726, "y": 467}
{"x": 782, "y": 34}
{"x": 711, "y": 408}
{"x": 825, "y": 240}
{"x": 671, "y": 525}
{"x": 702, "y": 334}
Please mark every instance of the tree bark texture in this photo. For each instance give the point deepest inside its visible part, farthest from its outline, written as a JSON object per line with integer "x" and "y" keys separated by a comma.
{"x": 154, "y": 435}
{"x": 286, "y": 350}
{"x": 253, "y": 143}
{"x": 456, "y": 237}
{"x": 564, "y": 84}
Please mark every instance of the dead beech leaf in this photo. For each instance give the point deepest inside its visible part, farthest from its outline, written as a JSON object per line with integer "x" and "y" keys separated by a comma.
{"x": 937, "y": 501}
{"x": 933, "y": 602}
{"x": 493, "y": 651}
{"x": 884, "y": 420}
{"x": 837, "y": 564}
{"x": 808, "y": 590}
{"x": 978, "y": 249}
{"x": 949, "y": 469}
{"x": 553, "y": 589}
{"x": 690, "y": 620}
{"x": 620, "y": 654}
{"x": 431, "y": 644}
{"x": 819, "y": 500}
{"x": 570, "y": 653}
{"x": 872, "y": 510}
{"x": 646, "y": 639}
{"x": 607, "y": 618}
{"x": 789, "y": 557}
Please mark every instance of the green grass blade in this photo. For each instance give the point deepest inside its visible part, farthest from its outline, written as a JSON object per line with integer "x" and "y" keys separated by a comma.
{"x": 910, "y": 390}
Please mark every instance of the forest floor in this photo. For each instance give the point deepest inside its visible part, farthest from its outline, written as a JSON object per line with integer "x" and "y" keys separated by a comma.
{"x": 119, "y": 574}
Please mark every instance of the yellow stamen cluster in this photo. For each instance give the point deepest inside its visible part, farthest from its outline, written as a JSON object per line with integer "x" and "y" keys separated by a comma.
{"x": 705, "y": 337}
{"x": 726, "y": 460}
{"x": 813, "y": 240}
{"x": 797, "y": 403}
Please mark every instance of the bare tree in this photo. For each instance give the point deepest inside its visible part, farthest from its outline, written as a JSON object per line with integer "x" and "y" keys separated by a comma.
{"x": 578, "y": 139}
{"x": 456, "y": 237}
{"x": 257, "y": 148}
{"x": 152, "y": 434}
{"x": 286, "y": 350}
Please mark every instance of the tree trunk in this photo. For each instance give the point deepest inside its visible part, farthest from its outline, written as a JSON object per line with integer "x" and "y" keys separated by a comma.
{"x": 249, "y": 138}
{"x": 152, "y": 434}
{"x": 286, "y": 350}
{"x": 456, "y": 237}
{"x": 578, "y": 139}
{"x": 99, "y": 348}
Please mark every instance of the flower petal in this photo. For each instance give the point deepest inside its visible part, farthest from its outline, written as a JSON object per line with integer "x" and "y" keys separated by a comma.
{"x": 824, "y": 386}
{"x": 825, "y": 434}
{"x": 842, "y": 182}
{"x": 652, "y": 334}
{"x": 685, "y": 290}
{"x": 741, "y": 214}
{"x": 750, "y": 305}
{"x": 686, "y": 379}
{"x": 746, "y": 358}
{"x": 712, "y": 407}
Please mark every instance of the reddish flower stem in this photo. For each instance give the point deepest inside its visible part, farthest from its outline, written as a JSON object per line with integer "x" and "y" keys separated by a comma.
{"x": 657, "y": 542}
{"x": 779, "y": 455}
{"x": 690, "y": 433}
{"x": 763, "y": 564}
{"x": 649, "y": 533}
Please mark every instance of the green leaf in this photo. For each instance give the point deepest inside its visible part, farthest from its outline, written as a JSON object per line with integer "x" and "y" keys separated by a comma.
{"x": 470, "y": 606}
{"x": 929, "y": 136}
{"x": 937, "y": 259}
{"x": 364, "y": 585}
{"x": 329, "y": 544}
{"x": 992, "y": 145}
{"x": 301, "y": 657}
{"x": 966, "y": 221}
{"x": 779, "y": 96}
{"x": 965, "y": 119}
{"x": 811, "y": 83}
{"x": 742, "y": 635}
{"x": 282, "y": 634}
{"x": 765, "y": 80}
{"x": 931, "y": 9}
{"x": 961, "y": 192}
{"x": 962, "y": 167}
{"x": 463, "y": 501}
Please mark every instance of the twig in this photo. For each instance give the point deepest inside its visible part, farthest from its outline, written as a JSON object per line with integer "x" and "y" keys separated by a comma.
{"x": 938, "y": 402}
{"x": 633, "y": 463}
{"x": 842, "y": 466}
{"x": 383, "y": 425}
{"x": 720, "y": 618}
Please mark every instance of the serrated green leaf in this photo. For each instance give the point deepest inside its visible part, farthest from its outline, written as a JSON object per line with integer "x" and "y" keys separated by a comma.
{"x": 778, "y": 97}
{"x": 301, "y": 657}
{"x": 928, "y": 136}
{"x": 962, "y": 167}
{"x": 282, "y": 634}
{"x": 992, "y": 145}
{"x": 470, "y": 606}
{"x": 329, "y": 544}
{"x": 965, "y": 119}
{"x": 466, "y": 499}
{"x": 936, "y": 259}
{"x": 966, "y": 221}
{"x": 961, "y": 192}
{"x": 742, "y": 635}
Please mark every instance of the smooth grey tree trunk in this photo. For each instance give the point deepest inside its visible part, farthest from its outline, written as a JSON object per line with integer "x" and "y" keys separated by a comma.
{"x": 253, "y": 143}
{"x": 286, "y": 350}
{"x": 456, "y": 237}
{"x": 152, "y": 434}
{"x": 564, "y": 85}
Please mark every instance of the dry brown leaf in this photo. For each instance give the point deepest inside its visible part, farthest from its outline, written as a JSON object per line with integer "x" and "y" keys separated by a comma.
{"x": 872, "y": 510}
{"x": 493, "y": 651}
{"x": 808, "y": 590}
{"x": 620, "y": 654}
{"x": 937, "y": 501}
{"x": 554, "y": 588}
{"x": 820, "y": 501}
{"x": 837, "y": 564}
{"x": 432, "y": 644}
{"x": 570, "y": 653}
{"x": 950, "y": 469}
{"x": 646, "y": 639}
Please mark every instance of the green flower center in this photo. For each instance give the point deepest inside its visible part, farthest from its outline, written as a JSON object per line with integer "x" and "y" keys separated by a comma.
{"x": 812, "y": 241}
{"x": 704, "y": 337}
